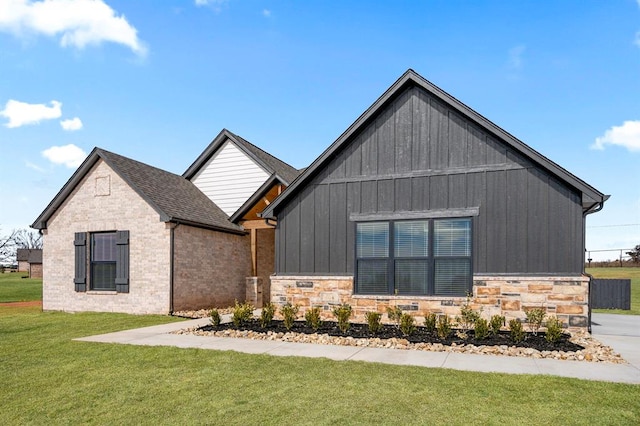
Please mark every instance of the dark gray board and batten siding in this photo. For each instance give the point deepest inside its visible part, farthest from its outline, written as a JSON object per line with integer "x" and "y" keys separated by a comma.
{"x": 419, "y": 154}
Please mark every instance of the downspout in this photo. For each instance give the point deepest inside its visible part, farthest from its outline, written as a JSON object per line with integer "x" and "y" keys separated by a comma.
{"x": 584, "y": 239}
{"x": 171, "y": 265}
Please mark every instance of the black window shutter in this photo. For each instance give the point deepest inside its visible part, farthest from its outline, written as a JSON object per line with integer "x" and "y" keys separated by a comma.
{"x": 122, "y": 261}
{"x": 80, "y": 279}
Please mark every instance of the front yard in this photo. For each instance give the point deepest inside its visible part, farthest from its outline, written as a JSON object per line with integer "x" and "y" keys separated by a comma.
{"x": 45, "y": 377}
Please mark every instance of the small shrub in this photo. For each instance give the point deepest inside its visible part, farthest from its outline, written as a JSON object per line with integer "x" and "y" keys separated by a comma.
{"x": 481, "y": 329}
{"x": 266, "y": 316}
{"x": 554, "y": 330}
{"x": 242, "y": 313}
{"x": 289, "y": 313}
{"x": 444, "y": 327}
{"x": 535, "y": 317}
{"x": 373, "y": 321}
{"x": 342, "y": 314}
{"x": 468, "y": 316}
{"x": 517, "y": 333}
{"x": 215, "y": 317}
{"x": 430, "y": 320}
{"x": 394, "y": 313}
{"x": 407, "y": 324}
{"x": 495, "y": 323}
{"x": 312, "y": 317}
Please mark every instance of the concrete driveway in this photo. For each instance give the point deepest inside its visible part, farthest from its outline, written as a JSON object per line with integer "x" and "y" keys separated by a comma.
{"x": 621, "y": 332}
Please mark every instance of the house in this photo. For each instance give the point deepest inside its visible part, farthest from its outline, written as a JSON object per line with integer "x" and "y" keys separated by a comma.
{"x": 123, "y": 236}
{"x": 30, "y": 260}
{"x": 422, "y": 201}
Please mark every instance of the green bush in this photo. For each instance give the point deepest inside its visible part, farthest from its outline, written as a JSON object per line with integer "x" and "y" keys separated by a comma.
{"x": 312, "y": 317}
{"x": 430, "y": 320}
{"x": 468, "y": 316}
{"x": 242, "y": 313}
{"x": 407, "y": 324}
{"x": 495, "y": 323}
{"x": 444, "y": 327}
{"x": 373, "y": 321}
{"x": 342, "y": 314}
{"x": 517, "y": 333}
{"x": 289, "y": 313}
{"x": 535, "y": 317}
{"x": 481, "y": 329}
{"x": 394, "y": 313}
{"x": 267, "y": 314}
{"x": 215, "y": 317}
{"x": 554, "y": 330}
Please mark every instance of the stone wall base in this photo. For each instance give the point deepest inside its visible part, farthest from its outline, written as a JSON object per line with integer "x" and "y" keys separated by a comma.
{"x": 565, "y": 297}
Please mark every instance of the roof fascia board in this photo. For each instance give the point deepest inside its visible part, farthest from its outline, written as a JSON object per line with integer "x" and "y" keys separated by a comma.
{"x": 257, "y": 195}
{"x": 202, "y": 159}
{"x": 66, "y": 190}
{"x": 411, "y": 77}
{"x": 209, "y": 227}
{"x": 217, "y": 143}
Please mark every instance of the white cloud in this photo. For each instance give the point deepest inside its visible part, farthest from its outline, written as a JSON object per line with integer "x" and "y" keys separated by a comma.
{"x": 22, "y": 113}
{"x": 627, "y": 136}
{"x": 515, "y": 57}
{"x": 267, "y": 13}
{"x": 216, "y": 5}
{"x": 78, "y": 22}
{"x": 35, "y": 167}
{"x": 71, "y": 124}
{"x": 69, "y": 155}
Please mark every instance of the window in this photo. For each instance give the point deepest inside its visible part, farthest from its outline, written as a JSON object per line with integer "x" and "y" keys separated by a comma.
{"x": 103, "y": 261}
{"x": 108, "y": 260}
{"x": 414, "y": 257}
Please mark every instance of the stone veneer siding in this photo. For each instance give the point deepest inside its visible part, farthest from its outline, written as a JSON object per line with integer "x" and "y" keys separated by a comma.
{"x": 565, "y": 297}
{"x": 210, "y": 268}
{"x": 104, "y": 202}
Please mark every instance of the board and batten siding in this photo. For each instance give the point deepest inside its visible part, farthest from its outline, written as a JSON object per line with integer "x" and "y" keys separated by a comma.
{"x": 230, "y": 177}
{"x": 418, "y": 154}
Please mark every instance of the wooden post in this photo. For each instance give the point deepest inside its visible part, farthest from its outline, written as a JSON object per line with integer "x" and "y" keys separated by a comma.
{"x": 254, "y": 252}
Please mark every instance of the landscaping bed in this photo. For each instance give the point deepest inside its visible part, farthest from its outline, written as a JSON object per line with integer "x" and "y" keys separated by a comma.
{"x": 419, "y": 335}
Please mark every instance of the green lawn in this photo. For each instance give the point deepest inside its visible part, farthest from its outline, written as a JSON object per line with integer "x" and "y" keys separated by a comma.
{"x": 633, "y": 274}
{"x": 15, "y": 288}
{"x": 46, "y": 378}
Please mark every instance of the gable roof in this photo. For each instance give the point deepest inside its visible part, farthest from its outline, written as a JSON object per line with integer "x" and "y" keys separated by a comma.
{"x": 272, "y": 165}
{"x": 29, "y": 255}
{"x": 591, "y": 197}
{"x": 175, "y": 198}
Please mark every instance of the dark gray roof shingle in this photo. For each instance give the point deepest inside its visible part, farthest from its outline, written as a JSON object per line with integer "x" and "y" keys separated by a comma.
{"x": 175, "y": 198}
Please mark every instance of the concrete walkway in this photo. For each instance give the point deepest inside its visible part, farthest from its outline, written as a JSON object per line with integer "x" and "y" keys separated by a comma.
{"x": 622, "y": 332}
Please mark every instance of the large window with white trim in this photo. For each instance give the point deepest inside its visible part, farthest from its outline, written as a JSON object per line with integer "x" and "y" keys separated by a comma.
{"x": 414, "y": 257}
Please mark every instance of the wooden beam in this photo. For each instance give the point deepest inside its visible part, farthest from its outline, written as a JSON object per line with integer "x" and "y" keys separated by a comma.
{"x": 254, "y": 252}
{"x": 256, "y": 224}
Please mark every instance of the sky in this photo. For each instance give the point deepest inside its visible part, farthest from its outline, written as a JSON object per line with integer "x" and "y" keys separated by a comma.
{"x": 156, "y": 81}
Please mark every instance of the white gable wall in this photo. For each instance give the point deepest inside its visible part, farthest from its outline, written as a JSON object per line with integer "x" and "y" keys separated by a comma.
{"x": 230, "y": 177}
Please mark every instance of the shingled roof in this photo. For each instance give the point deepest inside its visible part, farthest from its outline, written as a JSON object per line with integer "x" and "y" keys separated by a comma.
{"x": 175, "y": 198}
{"x": 272, "y": 165}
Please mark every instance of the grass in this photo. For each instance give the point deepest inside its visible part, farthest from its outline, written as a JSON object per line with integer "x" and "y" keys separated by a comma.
{"x": 633, "y": 274}
{"x": 16, "y": 287}
{"x": 45, "y": 377}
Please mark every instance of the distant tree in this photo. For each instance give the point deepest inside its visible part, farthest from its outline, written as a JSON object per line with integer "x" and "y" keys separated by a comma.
{"x": 635, "y": 254}
{"x": 8, "y": 248}
{"x": 26, "y": 239}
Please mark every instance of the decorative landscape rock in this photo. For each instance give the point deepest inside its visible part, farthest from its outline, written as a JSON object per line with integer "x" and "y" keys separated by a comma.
{"x": 576, "y": 347}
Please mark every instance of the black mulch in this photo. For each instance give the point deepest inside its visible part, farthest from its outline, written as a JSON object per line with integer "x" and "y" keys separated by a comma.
{"x": 421, "y": 335}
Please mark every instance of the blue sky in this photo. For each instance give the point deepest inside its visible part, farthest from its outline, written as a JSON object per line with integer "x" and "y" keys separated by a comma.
{"x": 156, "y": 81}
